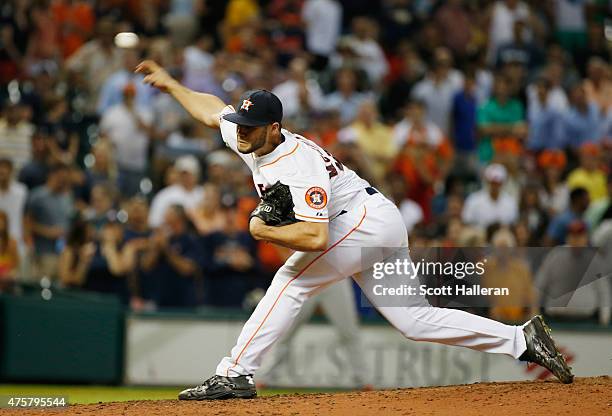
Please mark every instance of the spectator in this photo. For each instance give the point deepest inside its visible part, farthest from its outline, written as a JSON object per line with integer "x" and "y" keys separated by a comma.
{"x": 16, "y": 133}
{"x": 100, "y": 169}
{"x": 16, "y": 30}
{"x": 287, "y": 37}
{"x": 500, "y": 117}
{"x": 373, "y": 139}
{"x": 239, "y": 13}
{"x": 186, "y": 192}
{"x": 208, "y": 216}
{"x": 345, "y": 99}
{"x": 76, "y": 22}
{"x": 181, "y": 21}
{"x": 300, "y": 94}
{"x": 91, "y": 259}
{"x": 323, "y": 19}
{"x": 34, "y": 172}
{"x": 128, "y": 128}
{"x": 570, "y": 22}
{"x": 491, "y": 205}
{"x": 602, "y": 209}
{"x": 438, "y": 89}
{"x": 424, "y": 158}
{"x": 589, "y": 175}
{"x": 463, "y": 115}
{"x": 598, "y": 85}
{"x": 143, "y": 285}
{"x": 169, "y": 116}
{"x": 596, "y": 47}
{"x": 95, "y": 61}
{"x": 410, "y": 210}
{"x": 545, "y": 113}
{"x": 570, "y": 280}
{"x": 48, "y": 213}
{"x": 551, "y": 82}
{"x": 521, "y": 50}
{"x": 175, "y": 256}
{"x": 453, "y": 21}
{"x": 554, "y": 192}
{"x": 557, "y": 229}
{"x": 232, "y": 264}
{"x": 101, "y": 211}
{"x": 44, "y": 37}
{"x": 394, "y": 96}
{"x": 185, "y": 140}
{"x": 13, "y": 196}
{"x": 371, "y": 57}
{"x": 113, "y": 90}
{"x": 581, "y": 123}
{"x": 505, "y": 268}
{"x": 9, "y": 254}
{"x": 502, "y": 16}
{"x": 508, "y": 152}
{"x": 198, "y": 59}
{"x": 531, "y": 211}
{"x": 64, "y": 144}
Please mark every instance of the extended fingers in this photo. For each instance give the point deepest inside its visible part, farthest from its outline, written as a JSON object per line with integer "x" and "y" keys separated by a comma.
{"x": 146, "y": 67}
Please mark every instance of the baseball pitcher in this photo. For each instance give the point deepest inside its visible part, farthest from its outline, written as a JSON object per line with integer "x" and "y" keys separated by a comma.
{"x": 313, "y": 204}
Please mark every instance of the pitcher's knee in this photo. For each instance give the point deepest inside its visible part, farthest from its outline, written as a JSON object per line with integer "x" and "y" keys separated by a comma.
{"x": 412, "y": 324}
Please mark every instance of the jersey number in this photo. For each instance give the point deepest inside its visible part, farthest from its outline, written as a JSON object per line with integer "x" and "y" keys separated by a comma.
{"x": 331, "y": 164}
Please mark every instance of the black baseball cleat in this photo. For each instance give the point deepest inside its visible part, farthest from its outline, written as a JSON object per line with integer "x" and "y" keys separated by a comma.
{"x": 219, "y": 388}
{"x": 541, "y": 349}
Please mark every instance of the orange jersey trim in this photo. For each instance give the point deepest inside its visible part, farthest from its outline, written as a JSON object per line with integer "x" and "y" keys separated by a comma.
{"x": 312, "y": 218}
{"x": 281, "y": 156}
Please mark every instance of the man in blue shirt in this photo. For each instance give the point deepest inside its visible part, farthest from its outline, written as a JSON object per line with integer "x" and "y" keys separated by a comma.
{"x": 557, "y": 229}
{"x": 582, "y": 122}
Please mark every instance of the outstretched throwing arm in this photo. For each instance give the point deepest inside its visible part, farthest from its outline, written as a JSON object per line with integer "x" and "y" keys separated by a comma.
{"x": 203, "y": 107}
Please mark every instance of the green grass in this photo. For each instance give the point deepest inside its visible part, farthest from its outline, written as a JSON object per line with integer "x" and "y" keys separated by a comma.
{"x": 95, "y": 394}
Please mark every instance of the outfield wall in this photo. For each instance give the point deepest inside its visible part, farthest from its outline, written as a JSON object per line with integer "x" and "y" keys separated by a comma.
{"x": 89, "y": 338}
{"x": 186, "y": 351}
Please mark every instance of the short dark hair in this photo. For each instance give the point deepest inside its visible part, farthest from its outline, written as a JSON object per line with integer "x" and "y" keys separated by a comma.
{"x": 577, "y": 194}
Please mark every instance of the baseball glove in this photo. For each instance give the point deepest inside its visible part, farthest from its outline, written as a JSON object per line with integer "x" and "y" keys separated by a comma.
{"x": 276, "y": 206}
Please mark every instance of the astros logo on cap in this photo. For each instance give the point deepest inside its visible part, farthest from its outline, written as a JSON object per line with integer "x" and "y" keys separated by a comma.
{"x": 316, "y": 197}
{"x": 246, "y": 104}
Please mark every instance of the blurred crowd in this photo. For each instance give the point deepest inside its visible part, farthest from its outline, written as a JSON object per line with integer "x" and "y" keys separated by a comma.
{"x": 487, "y": 122}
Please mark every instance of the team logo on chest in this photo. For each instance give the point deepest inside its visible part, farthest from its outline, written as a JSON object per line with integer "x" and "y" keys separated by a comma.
{"x": 246, "y": 104}
{"x": 316, "y": 197}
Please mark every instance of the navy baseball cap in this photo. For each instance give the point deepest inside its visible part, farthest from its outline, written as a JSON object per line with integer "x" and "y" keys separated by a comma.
{"x": 257, "y": 108}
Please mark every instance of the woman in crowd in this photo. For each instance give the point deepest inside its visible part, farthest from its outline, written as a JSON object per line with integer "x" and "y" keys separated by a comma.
{"x": 91, "y": 260}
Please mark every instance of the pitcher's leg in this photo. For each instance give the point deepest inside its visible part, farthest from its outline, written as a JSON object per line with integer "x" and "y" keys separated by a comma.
{"x": 283, "y": 347}
{"x": 301, "y": 276}
{"x": 273, "y": 315}
{"x": 420, "y": 321}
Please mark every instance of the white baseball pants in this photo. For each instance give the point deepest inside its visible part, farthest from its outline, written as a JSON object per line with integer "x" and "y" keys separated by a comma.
{"x": 338, "y": 304}
{"x": 373, "y": 221}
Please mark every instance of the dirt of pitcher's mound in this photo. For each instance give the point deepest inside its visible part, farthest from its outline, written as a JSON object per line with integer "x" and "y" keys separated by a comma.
{"x": 586, "y": 396}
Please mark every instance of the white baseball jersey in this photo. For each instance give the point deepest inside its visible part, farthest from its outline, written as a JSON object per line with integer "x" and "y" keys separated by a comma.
{"x": 321, "y": 187}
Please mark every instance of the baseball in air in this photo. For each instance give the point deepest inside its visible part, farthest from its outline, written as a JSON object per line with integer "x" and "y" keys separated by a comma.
{"x": 126, "y": 40}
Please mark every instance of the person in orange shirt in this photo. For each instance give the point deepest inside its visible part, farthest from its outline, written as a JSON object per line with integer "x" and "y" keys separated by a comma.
{"x": 425, "y": 155}
{"x": 76, "y": 21}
